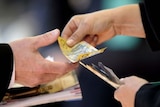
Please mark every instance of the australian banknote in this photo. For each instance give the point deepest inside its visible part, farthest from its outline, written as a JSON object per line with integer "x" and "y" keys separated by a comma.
{"x": 78, "y": 52}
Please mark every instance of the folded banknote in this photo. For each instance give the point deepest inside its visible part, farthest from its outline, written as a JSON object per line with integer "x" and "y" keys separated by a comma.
{"x": 80, "y": 51}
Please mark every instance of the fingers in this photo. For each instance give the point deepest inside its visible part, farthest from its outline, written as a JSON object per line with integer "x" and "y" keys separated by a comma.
{"x": 92, "y": 39}
{"x": 69, "y": 29}
{"x": 116, "y": 93}
{"x": 82, "y": 30}
{"x": 76, "y": 30}
{"x": 59, "y": 68}
{"x": 48, "y": 72}
{"x": 46, "y": 38}
{"x": 48, "y": 77}
{"x": 75, "y": 37}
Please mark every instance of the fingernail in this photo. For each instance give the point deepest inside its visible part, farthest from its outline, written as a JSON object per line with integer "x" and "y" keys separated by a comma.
{"x": 122, "y": 79}
{"x": 70, "y": 42}
{"x": 55, "y": 32}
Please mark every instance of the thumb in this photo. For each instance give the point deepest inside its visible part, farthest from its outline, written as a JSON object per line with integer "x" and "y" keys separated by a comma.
{"x": 47, "y": 38}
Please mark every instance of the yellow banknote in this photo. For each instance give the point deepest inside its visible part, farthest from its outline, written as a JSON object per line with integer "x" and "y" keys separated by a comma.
{"x": 78, "y": 52}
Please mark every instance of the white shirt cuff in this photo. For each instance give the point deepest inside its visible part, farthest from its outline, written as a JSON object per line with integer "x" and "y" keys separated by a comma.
{"x": 12, "y": 78}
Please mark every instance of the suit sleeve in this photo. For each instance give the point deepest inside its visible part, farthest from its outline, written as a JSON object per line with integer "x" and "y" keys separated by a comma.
{"x": 148, "y": 95}
{"x": 151, "y": 22}
{"x": 6, "y": 69}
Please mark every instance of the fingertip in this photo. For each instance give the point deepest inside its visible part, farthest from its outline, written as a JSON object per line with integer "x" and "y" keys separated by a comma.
{"x": 70, "y": 42}
{"x": 122, "y": 80}
{"x": 47, "y": 38}
{"x": 55, "y": 32}
{"x": 115, "y": 97}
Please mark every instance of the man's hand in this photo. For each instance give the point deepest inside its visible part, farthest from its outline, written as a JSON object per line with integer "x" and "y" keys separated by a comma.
{"x": 31, "y": 69}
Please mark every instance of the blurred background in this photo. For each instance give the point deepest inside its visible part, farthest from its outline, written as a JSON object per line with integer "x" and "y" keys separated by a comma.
{"x": 125, "y": 55}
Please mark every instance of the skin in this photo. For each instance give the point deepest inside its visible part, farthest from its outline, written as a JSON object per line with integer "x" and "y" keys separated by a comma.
{"x": 126, "y": 92}
{"x": 103, "y": 25}
{"x": 31, "y": 69}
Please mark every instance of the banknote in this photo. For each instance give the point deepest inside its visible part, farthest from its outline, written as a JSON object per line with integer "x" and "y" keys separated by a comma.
{"x": 78, "y": 52}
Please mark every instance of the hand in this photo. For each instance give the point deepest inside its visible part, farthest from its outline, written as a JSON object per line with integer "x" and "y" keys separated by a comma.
{"x": 126, "y": 92}
{"x": 89, "y": 27}
{"x": 100, "y": 26}
{"x": 31, "y": 69}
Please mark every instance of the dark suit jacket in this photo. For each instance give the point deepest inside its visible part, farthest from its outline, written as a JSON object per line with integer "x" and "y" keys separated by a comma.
{"x": 149, "y": 94}
{"x": 6, "y": 63}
